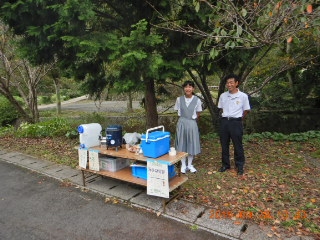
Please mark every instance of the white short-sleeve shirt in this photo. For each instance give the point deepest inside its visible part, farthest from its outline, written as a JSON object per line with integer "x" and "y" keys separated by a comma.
{"x": 233, "y": 105}
{"x": 198, "y": 107}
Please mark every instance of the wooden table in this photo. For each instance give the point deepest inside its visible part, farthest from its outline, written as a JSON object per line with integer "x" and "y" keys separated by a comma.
{"x": 125, "y": 174}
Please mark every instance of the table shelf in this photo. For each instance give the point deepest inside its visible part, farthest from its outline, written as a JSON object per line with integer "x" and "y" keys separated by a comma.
{"x": 125, "y": 174}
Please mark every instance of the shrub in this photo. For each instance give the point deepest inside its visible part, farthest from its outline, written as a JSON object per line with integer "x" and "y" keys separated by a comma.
{"x": 7, "y": 130}
{"x": 94, "y": 118}
{"x": 294, "y": 137}
{"x": 44, "y": 100}
{"x": 8, "y": 114}
{"x": 51, "y": 128}
{"x": 53, "y": 98}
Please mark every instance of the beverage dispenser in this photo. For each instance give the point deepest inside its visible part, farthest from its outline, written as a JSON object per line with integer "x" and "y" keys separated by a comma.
{"x": 114, "y": 136}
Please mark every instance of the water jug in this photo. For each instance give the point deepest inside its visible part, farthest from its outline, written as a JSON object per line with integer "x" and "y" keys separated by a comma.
{"x": 89, "y": 135}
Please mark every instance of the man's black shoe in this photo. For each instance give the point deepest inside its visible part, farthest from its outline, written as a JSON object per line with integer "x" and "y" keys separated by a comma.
{"x": 240, "y": 172}
{"x": 223, "y": 169}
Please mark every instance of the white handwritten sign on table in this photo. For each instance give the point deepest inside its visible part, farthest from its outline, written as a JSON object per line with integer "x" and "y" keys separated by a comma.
{"x": 94, "y": 160}
{"x": 83, "y": 157}
{"x": 158, "y": 180}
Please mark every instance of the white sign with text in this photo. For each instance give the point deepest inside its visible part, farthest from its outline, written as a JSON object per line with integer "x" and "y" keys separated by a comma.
{"x": 83, "y": 157}
{"x": 158, "y": 180}
{"x": 94, "y": 160}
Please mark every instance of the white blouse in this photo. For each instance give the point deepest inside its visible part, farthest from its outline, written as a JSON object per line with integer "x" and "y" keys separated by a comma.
{"x": 198, "y": 107}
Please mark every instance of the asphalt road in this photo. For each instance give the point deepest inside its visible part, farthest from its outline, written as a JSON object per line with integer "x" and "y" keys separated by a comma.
{"x": 33, "y": 206}
{"x": 85, "y": 105}
{"x": 106, "y": 106}
{"x": 81, "y": 104}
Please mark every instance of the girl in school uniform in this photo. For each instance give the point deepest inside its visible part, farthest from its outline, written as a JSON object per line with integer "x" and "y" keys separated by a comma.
{"x": 187, "y": 133}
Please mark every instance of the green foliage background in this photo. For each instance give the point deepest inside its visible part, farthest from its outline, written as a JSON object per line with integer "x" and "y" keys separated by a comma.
{"x": 8, "y": 114}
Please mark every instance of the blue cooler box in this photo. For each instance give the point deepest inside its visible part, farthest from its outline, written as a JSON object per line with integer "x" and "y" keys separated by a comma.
{"x": 140, "y": 171}
{"x": 155, "y": 144}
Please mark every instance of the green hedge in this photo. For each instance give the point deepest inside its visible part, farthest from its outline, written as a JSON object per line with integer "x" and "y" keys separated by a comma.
{"x": 52, "y": 128}
{"x": 8, "y": 114}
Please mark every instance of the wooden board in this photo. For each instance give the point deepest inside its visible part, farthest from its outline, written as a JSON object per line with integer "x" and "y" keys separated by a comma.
{"x": 124, "y": 153}
{"x": 125, "y": 174}
{"x": 176, "y": 182}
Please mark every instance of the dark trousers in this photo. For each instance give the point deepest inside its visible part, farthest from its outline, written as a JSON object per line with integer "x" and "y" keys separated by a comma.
{"x": 232, "y": 129}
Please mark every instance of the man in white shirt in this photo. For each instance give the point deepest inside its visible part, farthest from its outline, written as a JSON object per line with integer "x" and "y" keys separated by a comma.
{"x": 235, "y": 106}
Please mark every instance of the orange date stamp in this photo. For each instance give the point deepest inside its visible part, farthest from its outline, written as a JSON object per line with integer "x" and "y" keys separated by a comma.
{"x": 283, "y": 215}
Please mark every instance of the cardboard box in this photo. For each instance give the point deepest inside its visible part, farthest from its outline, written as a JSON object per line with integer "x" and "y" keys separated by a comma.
{"x": 155, "y": 144}
{"x": 113, "y": 164}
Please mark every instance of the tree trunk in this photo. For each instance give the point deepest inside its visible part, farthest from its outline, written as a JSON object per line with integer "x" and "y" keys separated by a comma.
{"x": 22, "y": 113}
{"x": 289, "y": 74}
{"x": 58, "y": 95}
{"x": 150, "y": 104}
{"x": 204, "y": 89}
{"x": 33, "y": 104}
{"x": 129, "y": 102}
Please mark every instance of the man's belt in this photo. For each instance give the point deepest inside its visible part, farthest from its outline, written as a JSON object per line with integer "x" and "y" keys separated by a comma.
{"x": 232, "y": 118}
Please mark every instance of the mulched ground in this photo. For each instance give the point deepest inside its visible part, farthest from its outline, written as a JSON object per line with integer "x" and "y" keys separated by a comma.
{"x": 280, "y": 188}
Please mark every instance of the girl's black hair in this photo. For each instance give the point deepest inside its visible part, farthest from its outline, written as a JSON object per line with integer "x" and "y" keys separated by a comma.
{"x": 186, "y": 83}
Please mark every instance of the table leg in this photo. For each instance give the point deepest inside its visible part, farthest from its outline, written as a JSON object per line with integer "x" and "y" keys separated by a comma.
{"x": 83, "y": 178}
{"x": 166, "y": 202}
{"x": 178, "y": 168}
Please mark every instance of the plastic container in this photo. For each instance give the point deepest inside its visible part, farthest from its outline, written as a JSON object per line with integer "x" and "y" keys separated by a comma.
{"x": 89, "y": 135}
{"x": 155, "y": 144}
{"x": 140, "y": 171}
{"x": 113, "y": 164}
